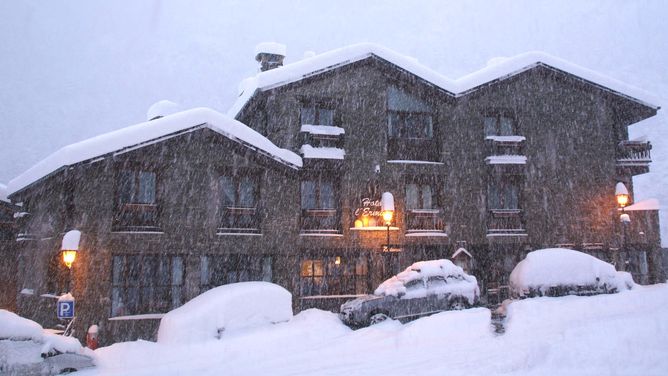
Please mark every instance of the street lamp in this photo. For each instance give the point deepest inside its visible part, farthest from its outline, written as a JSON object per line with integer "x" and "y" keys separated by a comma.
{"x": 69, "y": 249}
{"x": 623, "y": 199}
{"x": 387, "y": 207}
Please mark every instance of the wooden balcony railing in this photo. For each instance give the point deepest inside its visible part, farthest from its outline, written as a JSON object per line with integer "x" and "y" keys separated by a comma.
{"x": 325, "y": 221}
{"x": 505, "y": 222}
{"x": 240, "y": 220}
{"x": 423, "y": 220}
{"x": 633, "y": 157}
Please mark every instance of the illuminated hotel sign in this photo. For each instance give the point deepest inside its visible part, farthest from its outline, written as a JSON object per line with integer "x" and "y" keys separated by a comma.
{"x": 368, "y": 213}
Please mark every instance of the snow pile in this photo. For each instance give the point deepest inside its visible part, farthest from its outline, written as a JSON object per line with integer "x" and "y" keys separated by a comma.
{"x": 13, "y": 326}
{"x": 161, "y": 109}
{"x": 310, "y": 152}
{"x": 514, "y": 139}
{"x": 446, "y": 278}
{"x": 327, "y": 130}
{"x": 550, "y": 267}
{"x": 17, "y": 328}
{"x": 141, "y": 134}
{"x": 226, "y": 308}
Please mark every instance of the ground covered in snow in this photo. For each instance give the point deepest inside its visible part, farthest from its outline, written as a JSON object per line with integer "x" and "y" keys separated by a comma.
{"x": 618, "y": 334}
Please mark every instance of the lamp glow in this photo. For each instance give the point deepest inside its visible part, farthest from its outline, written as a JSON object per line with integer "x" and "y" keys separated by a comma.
{"x": 68, "y": 257}
{"x": 387, "y": 216}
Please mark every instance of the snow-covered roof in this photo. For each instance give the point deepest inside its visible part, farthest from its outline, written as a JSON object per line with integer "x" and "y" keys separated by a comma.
{"x": 501, "y": 69}
{"x": 647, "y": 204}
{"x": 161, "y": 109}
{"x": 142, "y": 134}
{"x": 460, "y": 251}
{"x": 309, "y": 151}
{"x": 3, "y": 193}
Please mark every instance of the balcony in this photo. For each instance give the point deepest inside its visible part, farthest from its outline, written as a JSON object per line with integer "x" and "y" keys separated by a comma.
{"x": 414, "y": 149}
{"x": 136, "y": 217}
{"x": 239, "y": 220}
{"x": 633, "y": 157}
{"x": 321, "y": 221}
{"x": 505, "y": 222}
{"x": 420, "y": 221}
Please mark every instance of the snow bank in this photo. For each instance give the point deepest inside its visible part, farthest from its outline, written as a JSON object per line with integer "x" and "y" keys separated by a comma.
{"x": 501, "y": 69}
{"x": 454, "y": 281}
{"x": 153, "y": 131}
{"x": 545, "y": 268}
{"x": 226, "y": 308}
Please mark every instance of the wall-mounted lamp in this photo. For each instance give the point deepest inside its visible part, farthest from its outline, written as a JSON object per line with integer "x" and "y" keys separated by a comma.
{"x": 70, "y": 246}
{"x": 622, "y": 195}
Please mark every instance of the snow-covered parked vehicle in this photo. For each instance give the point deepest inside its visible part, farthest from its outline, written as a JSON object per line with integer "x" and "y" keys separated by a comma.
{"x": 27, "y": 349}
{"x": 561, "y": 271}
{"x": 226, "y": 308}
{"x": 424, "y": 288}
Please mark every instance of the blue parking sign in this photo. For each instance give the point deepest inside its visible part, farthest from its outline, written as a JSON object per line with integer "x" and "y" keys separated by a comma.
{"x": 66, "y": 309}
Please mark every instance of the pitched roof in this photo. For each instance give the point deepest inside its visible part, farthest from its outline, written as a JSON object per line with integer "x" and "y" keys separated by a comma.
{"x": 147, "y": 133}
{"x": 501, "y": 69}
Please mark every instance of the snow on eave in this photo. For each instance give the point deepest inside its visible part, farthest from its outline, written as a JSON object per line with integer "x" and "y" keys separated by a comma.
{"x": 310, "y": 152}
{"x": 505, "y": 69}
{"x": 647, "y": 204}
{"x": 139, "y": 135}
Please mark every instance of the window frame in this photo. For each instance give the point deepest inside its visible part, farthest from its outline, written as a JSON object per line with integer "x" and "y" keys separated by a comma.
{"x": 129, "y": 283}
{"x": 350, "y": 277}
{"x": 134, "y": 215}
{"x": 317, "y": 105}
{"x": 313, "y": 219}
{"x": 220, "y": 267}
{"x": 498, "y": 115}
{"x": 229, "y": 216}
{"x": 421, "y": 218}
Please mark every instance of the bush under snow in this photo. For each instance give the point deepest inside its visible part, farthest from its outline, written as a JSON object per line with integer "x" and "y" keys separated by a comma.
{"x": 560, "y": 267}
{"x": 225, "y": 308}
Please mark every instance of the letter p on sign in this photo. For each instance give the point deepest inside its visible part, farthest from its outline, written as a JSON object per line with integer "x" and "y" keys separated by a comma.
{"x": 66, "y": 310}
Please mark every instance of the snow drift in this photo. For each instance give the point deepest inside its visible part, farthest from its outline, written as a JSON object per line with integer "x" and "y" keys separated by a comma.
{"x": 225, "y": 308}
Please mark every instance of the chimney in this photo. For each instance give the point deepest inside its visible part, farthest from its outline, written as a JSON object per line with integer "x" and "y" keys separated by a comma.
{"x": 270, "y": 55}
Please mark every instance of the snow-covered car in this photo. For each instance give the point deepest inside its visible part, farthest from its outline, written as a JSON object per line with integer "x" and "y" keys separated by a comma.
{"x": 424, "y": 288}
{"x": 226, "y": 308}
{"x": 561, "y": 271}
{"x": 27, "y": 349}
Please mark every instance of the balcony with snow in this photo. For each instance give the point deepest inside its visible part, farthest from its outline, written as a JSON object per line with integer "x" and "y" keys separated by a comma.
{"x": 633, "y": 157}
{"x": 504, "y": 223}
{"x": 322, "y": 144}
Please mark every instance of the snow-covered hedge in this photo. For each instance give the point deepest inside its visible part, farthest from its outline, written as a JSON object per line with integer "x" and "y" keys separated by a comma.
{"x": 225, "y": 308}
{"x": 563, "y": 268}
{"x": 447, "y": 278}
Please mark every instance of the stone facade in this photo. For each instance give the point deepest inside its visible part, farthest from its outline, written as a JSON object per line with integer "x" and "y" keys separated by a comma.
{"x": 205, "y": 210}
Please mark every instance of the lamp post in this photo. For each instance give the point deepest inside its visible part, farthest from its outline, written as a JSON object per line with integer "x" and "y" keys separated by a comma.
{"x": 623, "y": 198}
{"x": 387, "y": 207}
{"x": 69, "y": 249}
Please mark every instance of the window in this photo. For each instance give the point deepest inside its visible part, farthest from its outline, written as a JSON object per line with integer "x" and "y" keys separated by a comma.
{"x": 319, "y": 202}
{"x": 422, "y": 211}
{"x": 238, "y": 200}
{"x": 136, "y": 200}
{"x": 317, "y": 113}
{"x": 223, "y": 269}
{"x": 334, "y": 275}
{"x": 408, "y": 116}
{"x": 503, "y": 193}
{"x": 499, "y": 124}
{"x": 58, "y": 275}
{"x": 146, "y": 284}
